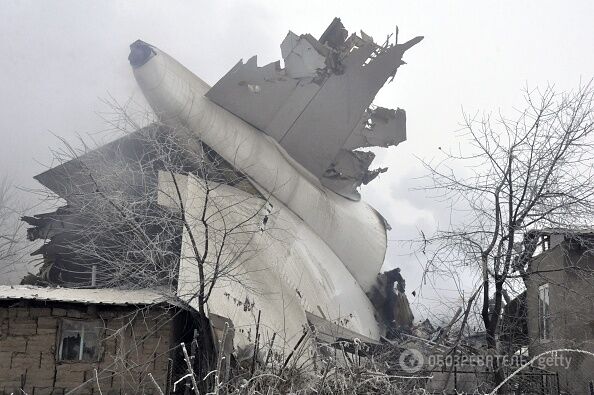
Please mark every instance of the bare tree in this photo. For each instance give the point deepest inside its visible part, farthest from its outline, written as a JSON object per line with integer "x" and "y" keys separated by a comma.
{"x": 12, "y": 248}
{"x": 514, "y": 175}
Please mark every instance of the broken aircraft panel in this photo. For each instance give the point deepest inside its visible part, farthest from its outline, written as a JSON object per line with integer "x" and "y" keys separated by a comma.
{"x": 287, "y": 272}
{"x": 319, "y": 103}
{"x": 303, "y": 56}
{"x": 382, "y": 127}
{"x": 348, "y": 170}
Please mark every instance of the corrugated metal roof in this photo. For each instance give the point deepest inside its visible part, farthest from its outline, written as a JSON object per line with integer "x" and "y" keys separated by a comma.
{"x": 108, "y": 296}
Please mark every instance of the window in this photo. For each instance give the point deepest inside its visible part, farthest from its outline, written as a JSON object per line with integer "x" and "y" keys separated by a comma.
{"x": 544, "y": 312}
{"x": 79, "y": 340}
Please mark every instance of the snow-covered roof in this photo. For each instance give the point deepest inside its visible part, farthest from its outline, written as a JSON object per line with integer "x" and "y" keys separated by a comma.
{"x": 109, "y": 296}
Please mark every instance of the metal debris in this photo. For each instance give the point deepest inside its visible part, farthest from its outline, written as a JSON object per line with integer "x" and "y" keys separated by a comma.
{"x": 318, "y": 107}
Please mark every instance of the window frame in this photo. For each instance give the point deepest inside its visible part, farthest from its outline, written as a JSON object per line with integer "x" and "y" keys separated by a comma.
{"x": 82, "y": 325}
{"x": 544, "y": 312}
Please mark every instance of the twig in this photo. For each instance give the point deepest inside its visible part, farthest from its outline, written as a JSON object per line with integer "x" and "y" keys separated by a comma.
{"x": 293, "y": 352}
{"x": 97, "y": 379}
{"x": 270, "y": 349}
{"x": 154, "y": 382}
{"x": 253, "y": 367}
{"x": 221, "y": 357}
{"x": 190, "y": 370}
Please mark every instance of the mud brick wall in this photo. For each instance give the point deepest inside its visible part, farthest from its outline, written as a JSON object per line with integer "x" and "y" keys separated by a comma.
{"x": 134, "y": 342}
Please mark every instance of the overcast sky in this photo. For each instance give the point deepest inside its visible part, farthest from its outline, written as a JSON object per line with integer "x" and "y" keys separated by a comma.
{"x": 59, "y": 58}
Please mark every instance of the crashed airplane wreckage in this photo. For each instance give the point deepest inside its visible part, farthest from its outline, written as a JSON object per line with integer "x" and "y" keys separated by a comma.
{"x": 296, "y": 134}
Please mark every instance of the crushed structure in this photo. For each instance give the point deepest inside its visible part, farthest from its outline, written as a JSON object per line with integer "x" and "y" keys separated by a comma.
{"x": 294, "y": 133}
{"x": 259, "y": 195}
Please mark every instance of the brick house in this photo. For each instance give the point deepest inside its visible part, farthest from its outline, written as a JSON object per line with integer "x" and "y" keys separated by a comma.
{"x": 55, "y": 340}
{"x": 560, "y": 304}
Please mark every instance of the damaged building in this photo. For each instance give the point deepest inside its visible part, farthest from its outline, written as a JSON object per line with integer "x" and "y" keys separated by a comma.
{"x": 58, "y": 339}
{"x": 240, "y": 201}
{"x": 556, "y": 310}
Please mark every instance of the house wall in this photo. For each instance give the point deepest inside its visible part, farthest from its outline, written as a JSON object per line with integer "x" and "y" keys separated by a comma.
{"x": 135, "y": 342}
{"x": 571, "y": 299}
